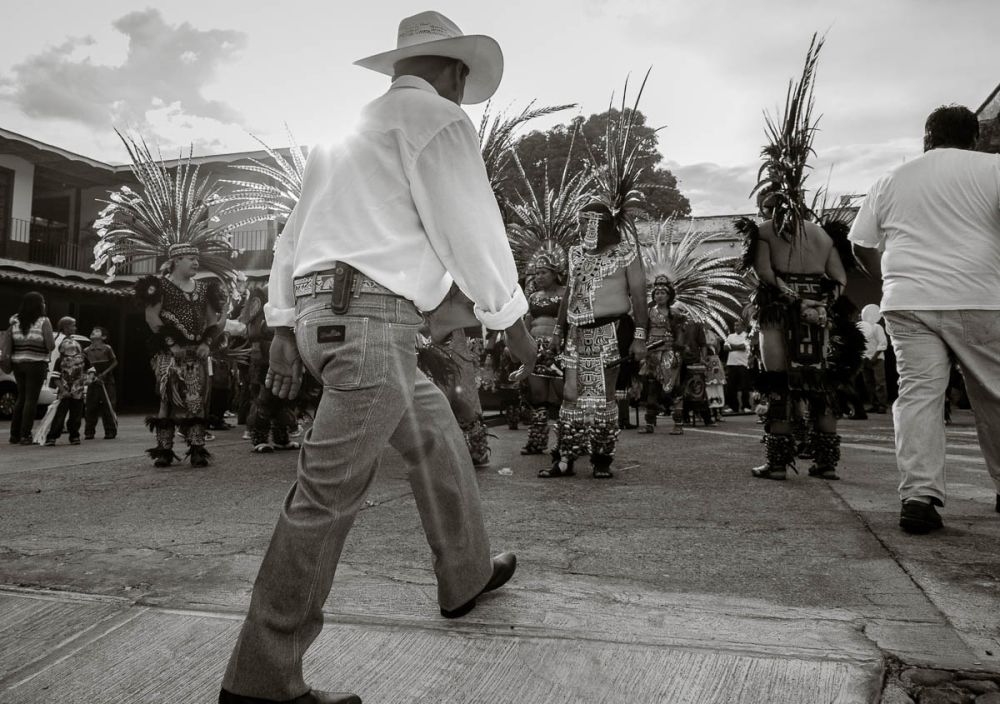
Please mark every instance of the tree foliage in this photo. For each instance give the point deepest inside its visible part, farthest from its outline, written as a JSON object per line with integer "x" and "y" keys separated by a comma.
{"x": 543, "y": 155}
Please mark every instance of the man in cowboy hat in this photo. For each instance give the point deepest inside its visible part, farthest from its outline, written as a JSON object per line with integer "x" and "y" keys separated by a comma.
{"x": 387, "y": 220}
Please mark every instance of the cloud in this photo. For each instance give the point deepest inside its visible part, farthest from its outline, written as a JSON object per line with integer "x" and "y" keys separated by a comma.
{"x": 166, "y": 66}
{"x": 715, "y": 189}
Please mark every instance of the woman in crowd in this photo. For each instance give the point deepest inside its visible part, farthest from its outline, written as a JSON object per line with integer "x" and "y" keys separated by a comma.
{"x": 31, "y": 344}
{"x": 545, "y": 385}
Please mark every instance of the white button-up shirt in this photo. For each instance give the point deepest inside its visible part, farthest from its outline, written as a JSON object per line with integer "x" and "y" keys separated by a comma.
{"x": 405, "y": 200}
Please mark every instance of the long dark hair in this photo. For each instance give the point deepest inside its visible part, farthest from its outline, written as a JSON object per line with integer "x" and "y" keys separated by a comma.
{"x": 32, "y": 308}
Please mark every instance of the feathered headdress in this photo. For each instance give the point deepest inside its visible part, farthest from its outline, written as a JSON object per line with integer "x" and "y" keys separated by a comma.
{"x": 496, "y": 141}
{"x": 544, "y": 227}
{"x": 168, "y": 218}
{"x": 274, "y": 197}
{"x": 783, "y": 174}
{"x": 616, "y": 168}
{"x": 706, "y": 285}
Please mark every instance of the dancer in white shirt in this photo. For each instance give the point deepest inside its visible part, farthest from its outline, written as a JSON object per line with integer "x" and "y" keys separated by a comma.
{"x": 387, "y": 219}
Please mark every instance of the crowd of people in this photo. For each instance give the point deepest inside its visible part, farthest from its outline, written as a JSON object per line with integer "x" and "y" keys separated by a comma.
{"x": 79, "y": 370}
{"x": 395, "y": 289}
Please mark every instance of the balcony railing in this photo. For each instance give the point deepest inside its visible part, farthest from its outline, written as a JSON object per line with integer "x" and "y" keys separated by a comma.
{"x": 49, "y": 246}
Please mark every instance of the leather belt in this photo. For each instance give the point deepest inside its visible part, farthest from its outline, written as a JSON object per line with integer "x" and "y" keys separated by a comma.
{"x": 316, "y": 284}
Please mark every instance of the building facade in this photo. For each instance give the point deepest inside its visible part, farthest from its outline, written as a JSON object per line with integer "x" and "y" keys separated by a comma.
{"x": 49, "y": 200}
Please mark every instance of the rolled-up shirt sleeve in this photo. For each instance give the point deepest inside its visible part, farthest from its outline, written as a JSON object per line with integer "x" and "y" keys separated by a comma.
{"x": 459, "y": 212}
{"x": 865, "y": 230}
{"x": 279, "y": 311}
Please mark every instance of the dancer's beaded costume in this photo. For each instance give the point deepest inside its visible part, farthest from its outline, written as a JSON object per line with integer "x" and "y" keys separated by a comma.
{"x": 661, "y": 368}
{"x": 703, "y": 290}
{"x": 269, "y": 417}
{"x": 543, "y": 226}
{"x": 547, "y": 366}
{"x": 183, "y": 384}
{"x": 590, "y": 423}
{"x": 821, "y": 344}
{"x": 169, "y": 219}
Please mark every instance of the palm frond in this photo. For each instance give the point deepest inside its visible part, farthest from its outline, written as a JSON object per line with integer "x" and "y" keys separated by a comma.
{"x": 172, "y": 207}
{"x": 707, "y": 286}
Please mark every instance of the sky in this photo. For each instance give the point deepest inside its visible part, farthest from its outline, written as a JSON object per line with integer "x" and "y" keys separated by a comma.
{"x": 211, "y": 73}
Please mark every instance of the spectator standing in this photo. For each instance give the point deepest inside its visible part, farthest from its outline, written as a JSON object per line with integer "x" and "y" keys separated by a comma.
{"x": 937, "y": 220}
{"x": 72, "y": 368}
{"x": 873, "y": 370}
{"x": 737, "y": 378}
{"x": 31, "y": 343}
{"x": 101, "y": 392}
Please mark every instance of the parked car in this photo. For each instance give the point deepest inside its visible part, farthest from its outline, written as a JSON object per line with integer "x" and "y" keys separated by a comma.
{"x": 8, "y": 394}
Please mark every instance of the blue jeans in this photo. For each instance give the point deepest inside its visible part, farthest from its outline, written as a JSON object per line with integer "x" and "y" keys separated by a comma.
{"x": 372, "y": 393}
{"x": 922, "y": 340}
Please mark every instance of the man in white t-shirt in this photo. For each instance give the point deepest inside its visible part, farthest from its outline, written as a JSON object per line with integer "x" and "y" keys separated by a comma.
{"x": 873, "y": 372}
{"x": 932, "y": 227}
{"x": 737, "y": 381}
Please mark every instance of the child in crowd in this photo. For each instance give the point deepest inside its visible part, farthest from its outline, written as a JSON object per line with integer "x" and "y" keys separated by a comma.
{"x": 71, "y": 366}
{"x": 101, "y": 362}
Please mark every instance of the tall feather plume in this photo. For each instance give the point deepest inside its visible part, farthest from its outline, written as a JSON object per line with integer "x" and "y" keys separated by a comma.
{"x": 172, "y": 208}
{"x": 546, "y": 223}
{"x": 789, "y": 146}
{"x": 496, "y": 140}
{"x": 616, "y": 168}
{"x": 272, "y": 198}
{"x": 707, "y": 286}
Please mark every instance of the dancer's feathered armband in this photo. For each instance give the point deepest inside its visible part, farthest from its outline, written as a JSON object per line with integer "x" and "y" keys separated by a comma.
{"x": 434, "y": 361}
{"x": 148, "y": 290}
{"x": 847, "y": 342}
{"x": 838, "y": 231}
{"x": 751, "y": 234}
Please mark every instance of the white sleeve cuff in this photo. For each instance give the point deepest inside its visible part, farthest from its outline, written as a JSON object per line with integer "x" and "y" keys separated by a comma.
{"x": 862, "y": 241}
{"x": 509, "y": 314}
{"x": 279, "y": 317}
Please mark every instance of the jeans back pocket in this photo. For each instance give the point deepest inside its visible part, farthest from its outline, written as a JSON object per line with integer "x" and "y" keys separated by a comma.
{"x": 343, "y": 352}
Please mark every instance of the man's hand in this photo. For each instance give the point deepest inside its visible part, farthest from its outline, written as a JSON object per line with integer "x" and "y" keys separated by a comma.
{"x": 638, "y": 350}
{"x": 284, "y": 375}
{"x": 203, "y": 350}
{"x": 521, "y": 344}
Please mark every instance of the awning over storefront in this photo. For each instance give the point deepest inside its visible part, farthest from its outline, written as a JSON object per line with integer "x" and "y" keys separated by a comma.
{"x": 120, "y": 289}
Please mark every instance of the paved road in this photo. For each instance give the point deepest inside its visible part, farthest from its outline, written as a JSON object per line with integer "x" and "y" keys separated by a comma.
{"x": 681, "y": 580}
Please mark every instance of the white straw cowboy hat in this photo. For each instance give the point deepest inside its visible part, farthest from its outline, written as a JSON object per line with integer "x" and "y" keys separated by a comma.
{"x": 433, "y": 34}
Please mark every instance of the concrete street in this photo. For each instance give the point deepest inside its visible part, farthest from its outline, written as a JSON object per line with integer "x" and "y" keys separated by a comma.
{"x": 681, "y": 580}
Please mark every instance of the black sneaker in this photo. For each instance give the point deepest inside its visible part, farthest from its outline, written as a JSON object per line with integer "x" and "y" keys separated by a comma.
{"x": 918, "y": 518}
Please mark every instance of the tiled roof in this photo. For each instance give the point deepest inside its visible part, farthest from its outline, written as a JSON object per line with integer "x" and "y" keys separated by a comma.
{"x": 64, "y": 283}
